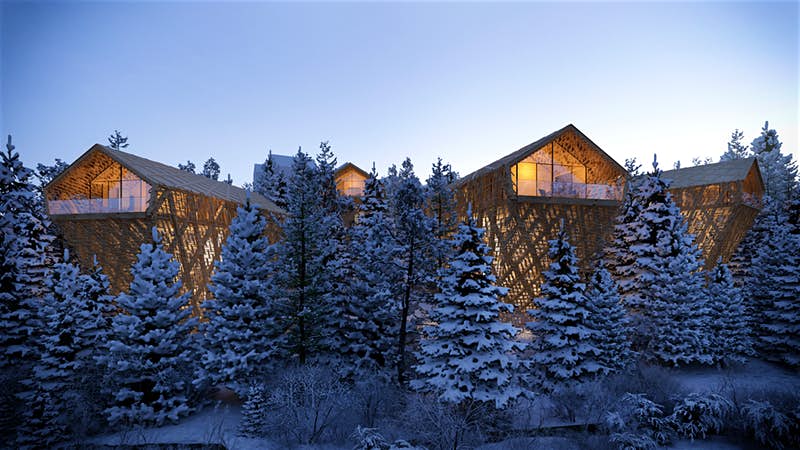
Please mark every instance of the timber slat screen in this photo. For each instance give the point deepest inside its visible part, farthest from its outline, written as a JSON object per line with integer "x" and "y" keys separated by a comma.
{"x": 520, "y": 200}
{"x": 103, "y": 209}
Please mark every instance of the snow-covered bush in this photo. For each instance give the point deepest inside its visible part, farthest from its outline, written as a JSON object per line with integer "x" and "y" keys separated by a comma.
{"x": 254, "y": 412}
{"x": 368, "y": 439}
{"x": 632, "y": 441}
{"x": 374, "y": 398}
{"x": 700, "y": 414}
{"x": 440, "y": 425}
{"x": 771, "y": 427}
{"x": 306, "y": 404}
{"x": 636, "y": 415}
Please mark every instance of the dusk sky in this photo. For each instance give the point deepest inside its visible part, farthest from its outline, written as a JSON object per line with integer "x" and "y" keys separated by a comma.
{"x": 469, "y": 82}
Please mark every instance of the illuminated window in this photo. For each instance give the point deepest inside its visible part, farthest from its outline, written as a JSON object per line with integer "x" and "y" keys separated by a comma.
{"x": 351, "y": 183}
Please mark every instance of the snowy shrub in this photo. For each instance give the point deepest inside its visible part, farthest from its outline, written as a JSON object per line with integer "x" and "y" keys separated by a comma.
{"x": 771, "y": 427}
{"x": 254, "y": 413}
{"x": 700, "y": 414}
{"x": 374, "y": 397}
{"x": 440, "y": 425}
{"x": 636, "y": 414}
{"x": 305, "y": 404}
{"x": 368, "y": 439}
{"x": 632, "y": 441}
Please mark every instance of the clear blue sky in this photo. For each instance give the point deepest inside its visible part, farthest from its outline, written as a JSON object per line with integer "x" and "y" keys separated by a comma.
{"x": 469, "y": 82}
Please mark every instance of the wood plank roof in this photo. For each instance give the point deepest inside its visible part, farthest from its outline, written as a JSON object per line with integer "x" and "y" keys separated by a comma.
{"x": 158, "y": 174}
{"x": 721, "y": 172}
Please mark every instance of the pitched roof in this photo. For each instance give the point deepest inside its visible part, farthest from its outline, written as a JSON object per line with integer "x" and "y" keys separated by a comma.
{"x": 282, "y": 163}
{"x": 156, "y": 173}
{"x": 522, "y": 153}
{"x": 721, "y": 172}
{"x": 346, "y": 165}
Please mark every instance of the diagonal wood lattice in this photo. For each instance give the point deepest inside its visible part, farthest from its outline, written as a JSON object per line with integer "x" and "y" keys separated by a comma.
{"x": 719, "y": 201}
{"x": 110, "y": 218}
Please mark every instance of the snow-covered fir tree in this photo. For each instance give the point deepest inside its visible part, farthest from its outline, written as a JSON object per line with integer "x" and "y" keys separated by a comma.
{"x": 238, "y": 339}
{"x": 608, "y": 319}
{"x": 778, "y": 171}
{"x": 43, "y": 425}
{"x": 413, "y": 252}
{"x": 736, "y": 150}
{"x": 255, "y": 412}
{"x": 728, "y": 324}
{"x": 150, "y": 348}
{"x": 469, "y": 353}
{"x": 564, "y": 350}
{"x": 116, "y": 141}
{"x": 211, "y": 169}
{"x": 367, "y": 329}
{"x": 271, "y": 182}
{"x": 774, "y": 287}
{"x": 301, "y": 276}
{"x": 441, "y": 206}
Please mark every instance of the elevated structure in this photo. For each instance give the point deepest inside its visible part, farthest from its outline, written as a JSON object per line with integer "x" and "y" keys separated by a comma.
{"x": 350, "y": 180}
{"x": 720, "y": 203}
{"x": 106, "y": 202}
{"x": 521, "y": 199}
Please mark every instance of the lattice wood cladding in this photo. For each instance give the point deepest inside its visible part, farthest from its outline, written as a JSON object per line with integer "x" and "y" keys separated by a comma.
{"x": 194, "y": 225}
{"x": 518, "y": 227}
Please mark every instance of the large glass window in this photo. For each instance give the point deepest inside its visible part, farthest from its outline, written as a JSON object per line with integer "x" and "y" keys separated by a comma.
{"x": 350, "y": 183}
{"x": 116, "y": 189}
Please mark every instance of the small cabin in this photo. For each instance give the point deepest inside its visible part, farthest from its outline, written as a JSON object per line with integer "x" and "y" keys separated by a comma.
{"x": 106, "y": 202}
{"x": 350, "y": 180}
{"x": 521, "y": 199}
{"x": 720, "y": 203}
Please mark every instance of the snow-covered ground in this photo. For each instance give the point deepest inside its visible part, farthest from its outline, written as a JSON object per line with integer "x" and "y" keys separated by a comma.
{"x": 218, "y": 425}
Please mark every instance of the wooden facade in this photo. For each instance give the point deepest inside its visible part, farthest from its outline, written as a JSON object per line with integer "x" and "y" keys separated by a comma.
{"x": 350, "y": 180}
{"x": 720, "y": 203}
{"x": 521, "y": 199}
{"x": 107, "y": 201}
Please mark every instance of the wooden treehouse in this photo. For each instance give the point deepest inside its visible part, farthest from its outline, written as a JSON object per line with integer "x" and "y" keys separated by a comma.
{"x": 107, "y": 201}
{"x": 521, "y": 198}
{"x": 720, "y": 203}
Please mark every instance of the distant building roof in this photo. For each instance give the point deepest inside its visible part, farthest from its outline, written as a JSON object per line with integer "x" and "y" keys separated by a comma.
{"x": 721, "y": 172}
{"x": 282, "y": 163}
{"x": 156, "y": 173}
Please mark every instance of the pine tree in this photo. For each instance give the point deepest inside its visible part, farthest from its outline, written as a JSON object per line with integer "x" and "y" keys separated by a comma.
{"x": 774, "y": 289}
{"x": 188, "y": 167}
{"x": 413, "y": 246}
{"x": 441, "y": 205}
{"x": 469, "y": 354}
{"x": 728, "y": 320}
{"x": 564, "y": 345}
{"x": 778, "y": 171}
{"x": 300, "y": 268}
{"x": 117, "y": 141}
{"x": 254, "y": 413}
{"x": 211, "y": 169}
{"x": 237, "y": 343}
{"x": 150, "y": 346}
{"x": 366, "y": 324}
{"x": 271, "y": 182}
{"x": 43, "y": 425}
{"x": 735, "y": 148}
{"x": 658, "y": 269}
{"x": 608, "y": 319}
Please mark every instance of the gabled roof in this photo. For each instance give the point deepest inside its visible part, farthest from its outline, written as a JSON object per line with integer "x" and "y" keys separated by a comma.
{"x": 721, "y": 172}
{"x": 347, "y": 165}
{"x": 282, "y": 163}
{"x": 522, "y": 153}
{"x": 158, "y": 174}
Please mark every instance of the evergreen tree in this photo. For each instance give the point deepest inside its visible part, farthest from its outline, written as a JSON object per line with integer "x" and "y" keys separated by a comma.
{"x": 366, "y": 324}
{"x": 117, "y": 141}
{"x": 469, "y": 354}
{"x": 237, "y": 343}
{"x": 774, "y": 289}
{"x": 564, "y": 345}
{"x": 608, "y": 319}
{"x": 441, "y": 205}
{"x": 46, "y": 173}
{"x": 43, "y": 426}
{"x": 150, "y": 346}
{"x": 778, "y": 171}
{"x": 736, "y": 150}
{"x": 188, "y": 167}
{"x": 413, "y": 245}
{"x": 211, "y": 169}
{"x": 730, "y": 334}
{"x": 300, "y": 272}
{"x": 255, "y": 413}
{"x": 657, "y": 268}
{"x": 271, "y": 182}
